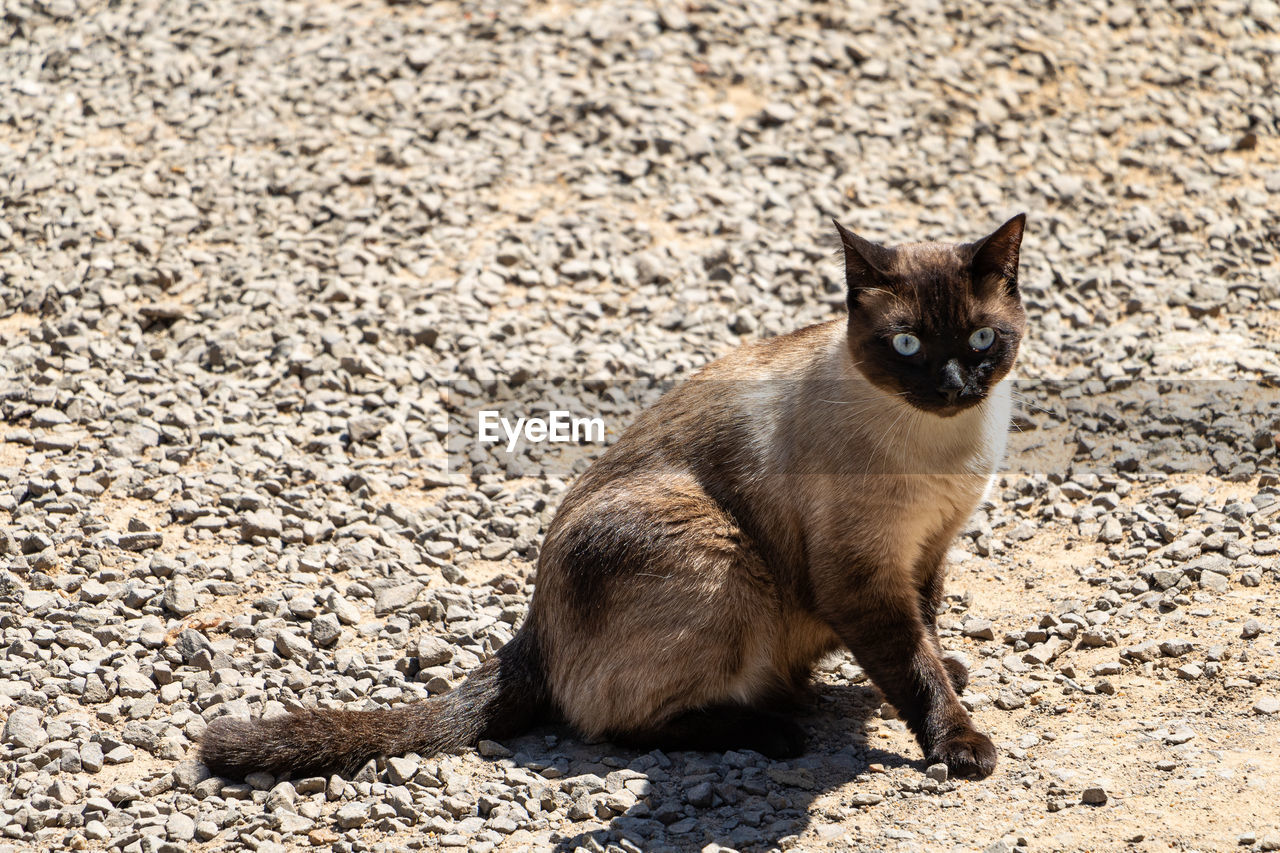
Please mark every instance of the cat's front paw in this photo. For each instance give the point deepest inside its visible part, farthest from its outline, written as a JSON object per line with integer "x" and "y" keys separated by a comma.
{"x": 969, "y": 753}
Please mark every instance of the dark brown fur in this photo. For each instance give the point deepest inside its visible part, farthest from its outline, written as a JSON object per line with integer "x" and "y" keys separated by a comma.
{"x": 798, "y": 496}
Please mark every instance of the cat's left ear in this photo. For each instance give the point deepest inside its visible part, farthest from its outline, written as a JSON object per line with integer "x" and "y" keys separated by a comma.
{"x": 995, "y": 257}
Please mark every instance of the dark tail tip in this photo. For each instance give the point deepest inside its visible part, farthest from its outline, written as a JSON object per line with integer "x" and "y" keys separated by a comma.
{"x": 301, "y": 742}
{"x": 227, "y": 748}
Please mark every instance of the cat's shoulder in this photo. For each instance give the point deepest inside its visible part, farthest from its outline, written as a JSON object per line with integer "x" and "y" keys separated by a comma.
{"x": 805, "y": 338}
{"x": 787, "y": 352}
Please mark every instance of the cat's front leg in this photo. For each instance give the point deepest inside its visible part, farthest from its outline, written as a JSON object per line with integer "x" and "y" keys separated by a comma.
{"x": 932, "y": 573}
{"x": 891, "y": 642}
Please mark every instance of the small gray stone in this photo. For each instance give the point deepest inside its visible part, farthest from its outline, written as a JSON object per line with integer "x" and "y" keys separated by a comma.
{"x": 363, "y": 428}
{"x": 309, "y": 785}
{"x": 979, "y": 629}
{"x": 91, "y": 757}
{"x": 70, "y": 761}
{"x": 583, "y": 808}
{"x": 347, "y": 613}
{"x": 281, "y": 798}
{"x": 259, "y": 780}
{"x": 778, "y": 112}
{"x": 401, "y": 770}
{"x": 179, "y": 598}
{"x": 190, "y": 643}
{"x": 133, "y": 684}
{"x": 261, "y": 523}
{"x": 700, "y": 795}
{"x": 352, "y": 815}
{"x": 325, "y": 630}
{"x": 492, "y": 749}
{"x": 122, "y": 793}
{"x": 291, "y": 646}
{"x": 673, "y": 17}
{"x": 1213, "y": 582}
{"x": 393, "y": 598}
{"x": 47, "y": 417}
{"x": 1044, "y": 653}
{"x": 796, "y": 777}
{"x": 937, "y": 772}
{"x": 866, "y": 798}
{"x": 187, "y": 774}
{"x": 1094, "y": 795}
{"x": 141, "y": 541}
{"x": 1150, "y": 650}
{"x": 1111, "y": 531}
{"x": 1010, "y": 700}
{"x": 495, "y": 550}
{"x": 292, "y": 824}
{"x": 95, "y": 692}
{"x": 743, "y": 323}
{"x": 179, "y": 827}
{"x": 1267, "y": 705}
{"x": 164, "y": 310}
{"x": 433, "y": 651}
{"x": 24, "y": 729}
{"x": 1067, "y": 186}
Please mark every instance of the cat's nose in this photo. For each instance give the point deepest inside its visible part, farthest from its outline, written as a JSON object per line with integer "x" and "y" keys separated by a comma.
{"x": 951, "y": 382}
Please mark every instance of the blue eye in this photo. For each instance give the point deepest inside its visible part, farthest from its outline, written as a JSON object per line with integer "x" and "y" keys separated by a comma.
{"x": 983, "y": 338}
{"x": 906, "y": 344}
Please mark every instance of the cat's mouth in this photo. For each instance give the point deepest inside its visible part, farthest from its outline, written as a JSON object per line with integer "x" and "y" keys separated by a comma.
{"x": 946, "y": 405}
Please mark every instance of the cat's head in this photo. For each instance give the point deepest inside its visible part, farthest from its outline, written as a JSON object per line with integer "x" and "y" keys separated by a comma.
{"x": 937, "y": 324}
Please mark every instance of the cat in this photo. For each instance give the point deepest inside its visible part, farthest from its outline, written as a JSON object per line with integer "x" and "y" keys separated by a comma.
{"x": 797, "y": 496}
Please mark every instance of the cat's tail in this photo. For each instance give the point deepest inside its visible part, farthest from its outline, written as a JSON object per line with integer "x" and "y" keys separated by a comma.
{"x": 502, "y": 697}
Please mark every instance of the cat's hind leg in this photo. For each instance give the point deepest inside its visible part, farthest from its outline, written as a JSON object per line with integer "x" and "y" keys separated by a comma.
{"x": 660, "y": 620}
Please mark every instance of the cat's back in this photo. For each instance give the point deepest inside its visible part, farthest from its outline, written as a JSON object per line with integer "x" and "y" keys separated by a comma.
{"x": 714, "y": 425}
{"x": 782, "y": 356}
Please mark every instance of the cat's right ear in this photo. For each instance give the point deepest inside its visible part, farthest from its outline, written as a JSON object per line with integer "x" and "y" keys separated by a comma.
{"x": 865, "y": 263}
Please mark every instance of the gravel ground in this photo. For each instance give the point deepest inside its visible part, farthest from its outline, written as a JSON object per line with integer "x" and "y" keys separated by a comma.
{"x": 257, "y": 259}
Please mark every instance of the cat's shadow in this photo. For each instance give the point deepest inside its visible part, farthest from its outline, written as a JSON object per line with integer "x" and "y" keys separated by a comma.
{"x": 752, "y": 801}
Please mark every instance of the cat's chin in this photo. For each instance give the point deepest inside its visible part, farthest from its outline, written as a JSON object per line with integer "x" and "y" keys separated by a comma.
{"x": 944, "y": 409}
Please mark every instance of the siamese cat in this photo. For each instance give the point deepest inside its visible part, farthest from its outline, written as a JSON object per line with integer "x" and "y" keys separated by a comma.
{"x": 796, "y": 496}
